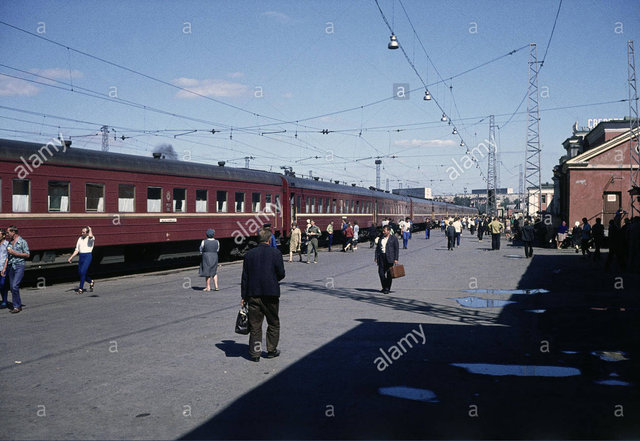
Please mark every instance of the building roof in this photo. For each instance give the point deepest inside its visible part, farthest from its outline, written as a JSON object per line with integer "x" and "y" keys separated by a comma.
{"x": 582, "y": 159}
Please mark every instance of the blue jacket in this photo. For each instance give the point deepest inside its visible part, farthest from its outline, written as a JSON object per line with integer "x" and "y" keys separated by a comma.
{"x": 261, "y": 271}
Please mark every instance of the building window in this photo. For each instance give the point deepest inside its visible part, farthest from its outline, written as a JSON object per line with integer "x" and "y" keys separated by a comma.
{"x": 154, "y": 199}
{"x": 21, "y": 200}
{"x": 179, "y": 200}
{"x": 94, "y": 197}
{"x": 544, "y": 198}
{"x": 202, "y": 201}
{"x": 126, "y": 198}
{"x": 267, "y": 203}
{"x": 255, "y": 202}
{"x": 239, "y": 202}
{"x": 58, "y": 196}
{"x": 221, "y": 201}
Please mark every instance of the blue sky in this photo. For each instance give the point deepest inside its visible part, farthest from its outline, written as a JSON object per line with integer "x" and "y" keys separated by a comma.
{"x": 277, "y": 62}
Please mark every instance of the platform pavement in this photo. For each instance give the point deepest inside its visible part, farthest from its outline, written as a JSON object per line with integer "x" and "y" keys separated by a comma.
{"x": 154, "y": 357}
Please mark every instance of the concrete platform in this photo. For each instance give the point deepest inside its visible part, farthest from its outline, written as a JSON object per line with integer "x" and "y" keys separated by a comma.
{"x": 154, "y": 357}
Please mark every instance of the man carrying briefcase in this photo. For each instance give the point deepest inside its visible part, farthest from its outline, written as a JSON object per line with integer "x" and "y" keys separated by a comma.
{"x": 387, "y": 252}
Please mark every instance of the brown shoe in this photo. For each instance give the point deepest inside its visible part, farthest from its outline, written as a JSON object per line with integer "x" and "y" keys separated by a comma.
{"x": 15, "y": 310}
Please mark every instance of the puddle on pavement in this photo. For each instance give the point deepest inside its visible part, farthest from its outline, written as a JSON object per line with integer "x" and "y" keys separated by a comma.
{"x": 611, "y": 355}
{"x": 519, "y": 370}
{"x": 536, "y": 311}
{"x": 612, "y": 383}
{"x": 569, "y": 352}
{"x": 514, "y": 256}
{"x": 409, "y": 393}
{"x": 507, "y": 291}
{"x": 478, "y": 302}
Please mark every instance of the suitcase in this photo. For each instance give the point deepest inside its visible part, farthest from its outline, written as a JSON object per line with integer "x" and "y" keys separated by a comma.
{"x": 396, "y": 271}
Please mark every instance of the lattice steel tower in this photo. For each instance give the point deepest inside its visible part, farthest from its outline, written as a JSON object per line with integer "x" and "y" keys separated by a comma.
{"x": 532, "y": 153}
{"x": 634, "y": 126}
{"x": 378, "y": 162}
{"x": 491, "y": 172}
{"x": 105, "y": 138}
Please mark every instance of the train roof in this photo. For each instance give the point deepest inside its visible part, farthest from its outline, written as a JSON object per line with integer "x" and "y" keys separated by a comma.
{"x": 83, "y": 158}
{"x": 312, "y": 184}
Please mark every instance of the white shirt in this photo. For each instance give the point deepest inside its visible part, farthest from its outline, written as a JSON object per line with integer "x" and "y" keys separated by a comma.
{"x": 85, "y": 245}
{"x": 383, "y": 244}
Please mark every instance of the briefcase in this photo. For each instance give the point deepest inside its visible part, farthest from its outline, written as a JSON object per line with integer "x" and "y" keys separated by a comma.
{"x": 242, "y": 321}
{"x": 396, "y": 271}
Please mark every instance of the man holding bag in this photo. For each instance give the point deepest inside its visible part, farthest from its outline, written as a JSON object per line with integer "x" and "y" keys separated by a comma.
{"x": 387, "y": 252}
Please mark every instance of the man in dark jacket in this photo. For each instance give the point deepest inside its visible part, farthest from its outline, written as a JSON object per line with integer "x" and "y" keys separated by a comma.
{"x": 528, "y": 235}
{"x": 262, "y": 270}
{"x": 387, "y": 252}
{"x": 451, "y": 236}
{"x": 597, "y": 232}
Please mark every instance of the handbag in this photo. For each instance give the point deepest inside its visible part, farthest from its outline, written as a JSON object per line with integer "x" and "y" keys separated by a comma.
{"x": 396, "y": 271}
{"x": 242, "y": 321}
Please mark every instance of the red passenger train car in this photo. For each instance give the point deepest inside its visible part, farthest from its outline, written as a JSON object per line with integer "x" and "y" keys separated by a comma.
{"x": 143, "y": 207}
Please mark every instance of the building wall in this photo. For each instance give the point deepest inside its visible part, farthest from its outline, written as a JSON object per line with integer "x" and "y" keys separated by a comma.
{"x": 586, "y": 189}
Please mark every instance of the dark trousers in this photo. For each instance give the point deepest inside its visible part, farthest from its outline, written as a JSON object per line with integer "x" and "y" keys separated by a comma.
{"x": 584, "y": 244}
{"x": 458, "y": 238}
{"x": 405, "y": 239}
{"x": 528, "y": 248}
{"x": 451, "y": 242}
{"x": 495, "y": 241}
{"x": 83, "y": 268}
{"x": 427, "y": 233}
{"x": 480, "y": 233}
{"x": 383, "y": 272}
{"x": 4, "y": 286}
{"x": 330, "y": 241}
{"x": 259, "y": 308}
{"x": 597, "y": 244}
{"x": 15, "y": 277}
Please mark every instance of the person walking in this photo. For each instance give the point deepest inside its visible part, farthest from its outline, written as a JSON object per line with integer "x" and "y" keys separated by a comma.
{"x": 262, "y": 271}
{"x": 451, "y": 237}
{"x": 528, "y": 236}
{"x": 386, "y": 256}
{"x": 330, "y": 233}
{"x": 373, "y": 235}
{"x": 576, "y": 236}
{"x": 84, "y": 248}
{"x": 313, "y": 232}
{"x": 18, "y": 250}
{"x": 405, "y": 227}
{"x": 209, "y": 249}
{"x": 457, "y": 224}
{"x": 295, "y": 241}
{"x": 597, "y": 231}
{"x": 427, "y": 228}
{"x": 563, "y": 231}
{"x": 348, "y": 238}
{"x": 495, "y": 228}
{"x": 4, "y": 279}
{"x": 481, "y": 229}
{"x": 585, "y": 237}
{"x": 356, "y": 235}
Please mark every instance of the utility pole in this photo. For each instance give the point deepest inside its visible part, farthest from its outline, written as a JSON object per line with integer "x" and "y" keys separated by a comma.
{"x": 634, "y": 126}
{"x": 491, "y": 172}
{"x": 520, "y": 188}
{"x": 532, "y": 153}
{"x": 105, "y": 138}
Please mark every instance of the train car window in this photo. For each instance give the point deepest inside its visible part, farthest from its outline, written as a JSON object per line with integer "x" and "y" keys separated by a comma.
{"x": 313, "y": 205}
{"x": 94, "y": 197}
{"x": 306, "y": 204}
{"x": 267, "y": 203}
{"x": 221, "y": 201}
{"x": 278, "y": 206}
{"x": 179, "y": 200}
{"x": 239, "y": 202}
{"x": 255, "y": 202}
{"x": 126, "y": 198}
{"x": 202, "y": 201}
{"x": 154, "y": 199}
{"x": 21, "y": 198}
{"x": 320, "y": 203}
{"x": 299, "y": 204}
{"x": 334, "y": 211}
{"x": 58, "y": 196}
{"x": 358, "y": 207}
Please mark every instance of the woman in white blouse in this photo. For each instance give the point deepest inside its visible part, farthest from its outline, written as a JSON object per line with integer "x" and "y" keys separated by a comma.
{"x": 83, "y": 250}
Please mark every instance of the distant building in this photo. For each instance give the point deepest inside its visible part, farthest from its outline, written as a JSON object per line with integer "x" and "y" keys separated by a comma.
{"x": 419, "y": 192}
{"x": 545, "y": 201}
{"x": 593, "y": 177}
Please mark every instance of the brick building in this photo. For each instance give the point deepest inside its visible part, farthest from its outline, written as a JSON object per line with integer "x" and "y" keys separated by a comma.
{"x": 593, "y": 178}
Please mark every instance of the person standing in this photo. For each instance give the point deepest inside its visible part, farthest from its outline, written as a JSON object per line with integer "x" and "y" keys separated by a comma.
{"x": 313, "y": 232}
{"x": 586, "y": 237}
{"x": 481, "y": 229}
{"x": 296, "y": 239}
{"x": 4, "y": 280}
{"x": 495, "y": 228}
{"x": 262, "y": 271}
{"x": 356, "y": 235}
{"x": 84, "y": 248}
{"x": 373, "y": 235}
{"x": 563, "y": 231}
{"x": 457, "y": 224}
{"x": 209, "y": 249}
{"x": 387, "y": 253}
{"x": 576, "y": 236}
{"x": 597, "y": 231}
{"x": 528, "y": 236}
{"x": 451, "y": 237}
{"x": 405, "y": 227}
{"x": 18, "y": 251}
{"x": 330, "y": 233}
{"x": 427, "y": 228}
